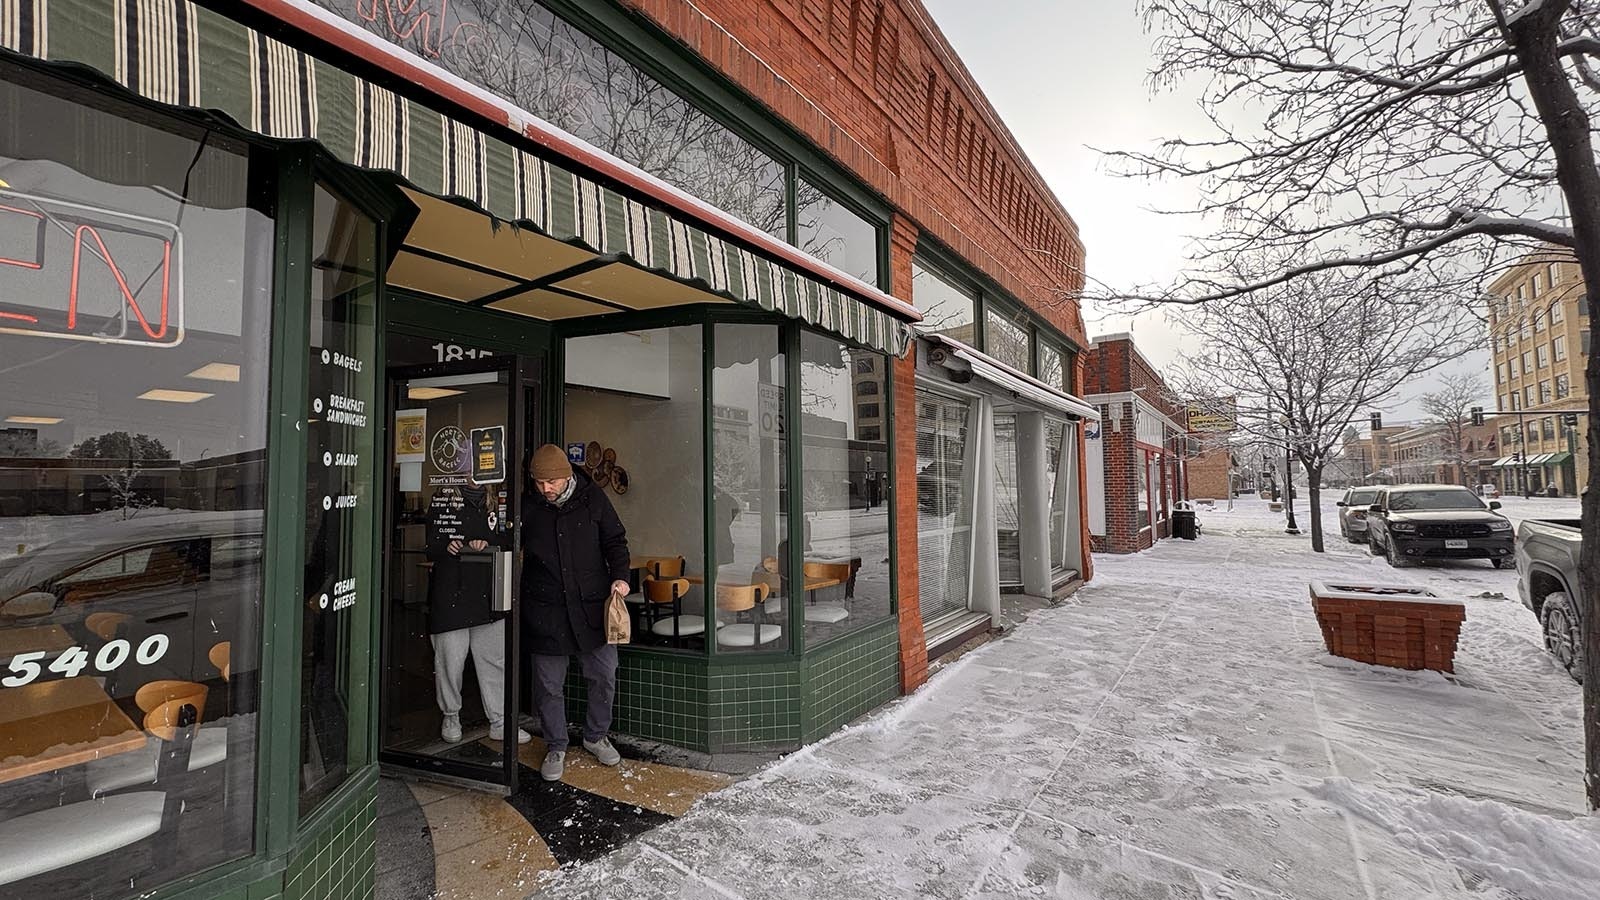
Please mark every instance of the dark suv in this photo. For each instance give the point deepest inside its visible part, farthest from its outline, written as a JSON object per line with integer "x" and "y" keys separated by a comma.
{"x": 1435, "y": 521}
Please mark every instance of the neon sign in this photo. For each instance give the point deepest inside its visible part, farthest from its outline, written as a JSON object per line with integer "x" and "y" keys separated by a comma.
{"x": 428, "y": 27}
{"x": 82, "y": 273}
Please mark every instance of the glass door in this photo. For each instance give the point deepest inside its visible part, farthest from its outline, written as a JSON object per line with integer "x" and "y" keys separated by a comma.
{"x": 458, "y": 432}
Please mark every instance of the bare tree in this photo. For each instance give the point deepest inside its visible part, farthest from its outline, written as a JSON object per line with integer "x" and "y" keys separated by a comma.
{"x": 1451, "y": 407}
{"x": 1303, "y": 360}
{"x": 1436, "y": 137}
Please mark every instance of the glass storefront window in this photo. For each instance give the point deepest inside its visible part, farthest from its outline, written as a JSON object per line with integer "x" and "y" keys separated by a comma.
{"x": 946, "y": 309}
{"x": 1052, "y": 367}
{"x": 341, "y": 504}
{"x": 1007, "y": 340}
{"x": 944, "y": 506}
{"x": 1142, "y": 513}
{"x": 846, "y": 489}
{"x": 635, "y": 401}
{"x": 135, "y": 301}
{"x": 1058, "y": 476}
{"x": 833, "y": 233}
{"x": 749, "y": 443}
{"x": 1007, "y": 512}
{"x": 525, "y": 53}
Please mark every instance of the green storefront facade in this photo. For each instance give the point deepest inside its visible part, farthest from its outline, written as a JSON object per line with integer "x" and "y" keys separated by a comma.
{"x": 267, "y": 280}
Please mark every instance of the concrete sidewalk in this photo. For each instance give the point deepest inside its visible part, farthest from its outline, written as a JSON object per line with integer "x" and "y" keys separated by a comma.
{"x": 1174, "y": 731}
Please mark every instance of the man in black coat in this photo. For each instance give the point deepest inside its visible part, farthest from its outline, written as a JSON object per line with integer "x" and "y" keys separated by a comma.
{"x": 575, "y": 555}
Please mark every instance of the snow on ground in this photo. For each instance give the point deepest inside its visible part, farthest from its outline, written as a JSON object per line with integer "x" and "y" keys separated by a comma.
{"x": 1174, "y": 731}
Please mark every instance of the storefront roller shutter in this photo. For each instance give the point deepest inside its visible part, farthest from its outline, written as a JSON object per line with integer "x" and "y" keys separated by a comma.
{"x": 944, "y": 505}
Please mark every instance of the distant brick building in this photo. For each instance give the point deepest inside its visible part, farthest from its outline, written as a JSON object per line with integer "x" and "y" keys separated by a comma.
{"x": 1210, "y": 473}
{"x": 1134, "y": 464}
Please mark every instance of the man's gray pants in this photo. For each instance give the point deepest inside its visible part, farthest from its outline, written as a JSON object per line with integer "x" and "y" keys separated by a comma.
{"x": 550, "y": 685}
{"x": 488, "y": 646}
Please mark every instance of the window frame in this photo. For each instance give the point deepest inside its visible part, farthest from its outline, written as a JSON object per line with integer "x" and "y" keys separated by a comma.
{"x": 950, "y": 267}
{"x": 655, "y": 53}
{"x": 708, "y": 317}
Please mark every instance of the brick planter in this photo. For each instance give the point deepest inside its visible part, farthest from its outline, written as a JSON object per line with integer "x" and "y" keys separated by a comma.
{"x": 1389, "y": 625}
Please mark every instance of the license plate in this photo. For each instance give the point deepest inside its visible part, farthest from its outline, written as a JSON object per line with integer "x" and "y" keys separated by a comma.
{"x": 1455, "y": 545}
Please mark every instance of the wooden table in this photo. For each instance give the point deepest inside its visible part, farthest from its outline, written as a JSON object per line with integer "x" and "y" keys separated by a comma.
{"x": 49, "y": 725}
{"x": 812, "y": 584}
{"x": 33, "y": 638}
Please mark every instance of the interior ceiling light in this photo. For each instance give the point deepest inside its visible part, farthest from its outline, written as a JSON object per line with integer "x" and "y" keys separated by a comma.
{"x": 34, "y": 420}
{"x": 172, "y": 396}
{"x": 430, "y": 393}
{"x": 216, "y": 372}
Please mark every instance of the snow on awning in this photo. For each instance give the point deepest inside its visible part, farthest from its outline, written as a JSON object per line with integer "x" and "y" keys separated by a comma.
{"x": 1019, "y": 384}
{"x": 185, "y": 55}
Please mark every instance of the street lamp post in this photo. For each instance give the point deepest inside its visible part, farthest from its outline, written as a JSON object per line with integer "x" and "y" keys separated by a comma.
{"x": 1522, "y": 447}
{"x": 1288, "y": 480}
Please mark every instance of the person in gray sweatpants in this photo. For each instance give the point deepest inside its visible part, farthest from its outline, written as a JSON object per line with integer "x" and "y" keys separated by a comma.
{"x": 575, "y": 556}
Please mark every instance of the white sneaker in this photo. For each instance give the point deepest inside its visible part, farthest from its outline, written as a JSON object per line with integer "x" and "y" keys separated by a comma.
{"x": 555, "y": 763}
{"x": 497, "y": 732}
{"x": 451, "y": 730}
{"x": 606, "y": 754}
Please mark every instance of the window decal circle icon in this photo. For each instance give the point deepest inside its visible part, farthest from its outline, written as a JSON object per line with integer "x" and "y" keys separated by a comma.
{"x": 449, "y": 450}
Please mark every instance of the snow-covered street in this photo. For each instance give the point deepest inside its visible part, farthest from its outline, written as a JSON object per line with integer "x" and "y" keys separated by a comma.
{"x": 1174, "y": 730}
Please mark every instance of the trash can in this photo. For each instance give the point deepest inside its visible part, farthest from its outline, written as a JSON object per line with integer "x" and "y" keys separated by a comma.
{"x": 1185, "y": 525}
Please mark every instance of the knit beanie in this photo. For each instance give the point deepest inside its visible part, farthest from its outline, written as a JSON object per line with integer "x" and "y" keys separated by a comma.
{"x": 550, "y": 463}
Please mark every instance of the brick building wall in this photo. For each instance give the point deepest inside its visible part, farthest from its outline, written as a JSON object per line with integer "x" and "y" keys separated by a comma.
{"x": 1114, "y": 367}
{"x": 876, "y": 86}
{"x": 1208, "y": 474}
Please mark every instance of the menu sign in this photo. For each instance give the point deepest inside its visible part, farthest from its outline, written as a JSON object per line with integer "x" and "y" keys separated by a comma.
{"x": 489, "y": 454}
{"x": 342, "y": 422}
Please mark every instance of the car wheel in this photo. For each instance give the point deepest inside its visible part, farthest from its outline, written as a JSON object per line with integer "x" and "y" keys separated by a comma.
{"x": 1561, "y": 636}
{"x": 1395, "y": 559}
{"x": 1372, "y": 545}
{"x": 1501, "y": 562}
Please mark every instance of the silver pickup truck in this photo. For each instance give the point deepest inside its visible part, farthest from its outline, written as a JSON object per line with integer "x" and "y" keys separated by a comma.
{"x": 1547, "y": 581}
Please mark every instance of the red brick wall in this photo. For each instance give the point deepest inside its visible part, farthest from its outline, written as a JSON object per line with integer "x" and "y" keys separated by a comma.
{"x": 1208, "y": 474}
{"x": 1114, "y": 367}
{"x": 878, "y": 88}
{"x": 913, "y": 649}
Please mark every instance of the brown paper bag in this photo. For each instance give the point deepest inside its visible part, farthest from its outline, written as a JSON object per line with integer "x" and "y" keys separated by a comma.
{"x": 619, "y": 627}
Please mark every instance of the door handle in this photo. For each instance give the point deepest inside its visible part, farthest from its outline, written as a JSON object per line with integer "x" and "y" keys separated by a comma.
{"x": 169, "y": 617}
{"x": 502, "y": 580}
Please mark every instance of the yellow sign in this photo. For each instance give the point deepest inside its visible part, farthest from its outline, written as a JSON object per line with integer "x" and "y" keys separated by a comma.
{"x": 410, "y": 435}
{"x": 1206, "y": 421}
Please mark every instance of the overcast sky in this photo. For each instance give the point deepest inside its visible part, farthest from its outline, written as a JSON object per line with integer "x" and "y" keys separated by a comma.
{"x": 1068, "y": 76}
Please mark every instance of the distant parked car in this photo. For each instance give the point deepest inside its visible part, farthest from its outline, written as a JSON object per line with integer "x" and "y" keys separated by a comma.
{"x": 1489, "y": 491}
{"x": 1429, "y": 521}
{"x": 166, "y": 588}
{"x": 1353, "y": 513}
{"x": 1547, "y": 582}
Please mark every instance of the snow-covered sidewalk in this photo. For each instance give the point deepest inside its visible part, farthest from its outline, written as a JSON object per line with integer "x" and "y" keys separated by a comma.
{"x": 1175, "y": 730}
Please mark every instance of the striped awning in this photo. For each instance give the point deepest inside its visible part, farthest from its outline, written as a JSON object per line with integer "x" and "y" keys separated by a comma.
{"x": 176, "y": 53}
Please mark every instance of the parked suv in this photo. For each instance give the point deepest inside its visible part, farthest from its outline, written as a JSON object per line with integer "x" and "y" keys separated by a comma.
{"x": 1547, "y": 581}
{"x": 1353, "y": 513}
{"x": 1435, "y": 521}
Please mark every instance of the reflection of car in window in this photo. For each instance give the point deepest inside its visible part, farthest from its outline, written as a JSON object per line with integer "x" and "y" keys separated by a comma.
{"x": 176, "y": 583}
